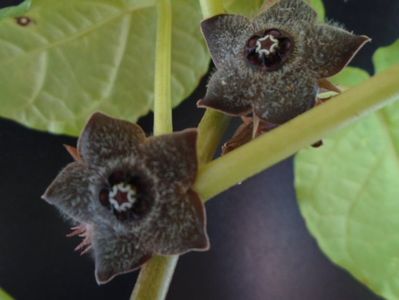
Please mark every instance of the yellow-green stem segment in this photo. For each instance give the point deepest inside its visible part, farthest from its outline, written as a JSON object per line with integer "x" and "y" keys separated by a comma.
{"x": 4, "y": 295}
{"x": 154, "y": 279}
{"x": 211, "y": 8}
{"x": 211, "y": 130}
{"x": 304, "y": 130}
{"x": 162, "y": 80}
{"x": 155, "y": 276}
{"x": 213, "y": 123}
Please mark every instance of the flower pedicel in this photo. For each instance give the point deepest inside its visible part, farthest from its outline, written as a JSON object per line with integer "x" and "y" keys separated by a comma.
{"x": 131, "y": 195}
{"x": 272, "y": 65}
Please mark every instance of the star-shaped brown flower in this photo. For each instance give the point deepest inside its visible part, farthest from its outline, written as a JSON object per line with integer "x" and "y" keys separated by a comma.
{"x": 132, "y": 195}
{"x": 271, "y": 65}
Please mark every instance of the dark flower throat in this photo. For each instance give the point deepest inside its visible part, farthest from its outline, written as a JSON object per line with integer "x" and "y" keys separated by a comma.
{"x": 269, "y": 49}
{"x": 125, "y": 196}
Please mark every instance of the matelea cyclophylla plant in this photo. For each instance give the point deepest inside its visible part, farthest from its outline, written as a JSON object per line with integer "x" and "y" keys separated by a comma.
{"x": 271, "y": 66}
{"x": 131, "y": 196}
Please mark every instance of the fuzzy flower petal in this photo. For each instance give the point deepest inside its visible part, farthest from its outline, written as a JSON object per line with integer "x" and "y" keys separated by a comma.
{"x": 224, "y": 35}
{"x": 276, "y": 67}
{"x": 164, "y": 157}
{"x": 229, "y": 90}
{"x": 180, "y": 226}
{"x": 105, "y": 137}
{"x": 286, "y": 12}
{"x": 132, "y": 195}
{"x": 333, "y": 49}
{"x": 290, "y": 93}
{"x": 116, "y": 253}
{"x": 70, "y": 192}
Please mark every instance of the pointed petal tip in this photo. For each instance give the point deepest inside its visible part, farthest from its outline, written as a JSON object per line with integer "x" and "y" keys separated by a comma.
{"x": 105, "y": 275}
{"x": 94, "y": 118}
{"x": 47, "y": 195}
{"x": 336, "y": 49}
{"x": 200, "y": 103}
{"x": 202, "y": 244}
{"x": 221, "y": 107}
{"x": 207, "y": 23}
{"x": 44, "y": 197}
{"x": 358, "y": 43}
{"x": 362, "y": 40}
{"x": 366, "y": 38}
{"x": 208, "y": 103}
{"x": 97, "y": 115}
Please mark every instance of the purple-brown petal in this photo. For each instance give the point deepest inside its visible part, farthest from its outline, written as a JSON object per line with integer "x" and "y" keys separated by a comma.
{"x": 331, "y": 48}
{"x": 226, "y": 36}
{"x": 104, "y": 138}
{"x": 172, "y": 158}
{"x": 228, "y": 91}
{"x": 285, "y": 95}
{"x": 71, "y": 192}
{"x": 291, "y": 13}
{"x": 180, "y": 226}
{"x": 116, "y": 253}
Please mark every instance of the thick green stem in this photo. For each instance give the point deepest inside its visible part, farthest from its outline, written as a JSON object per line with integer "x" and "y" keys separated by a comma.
{"x": 211, "y": 130}
{"x": 213, "y": 123}
{"x": 211, "y": 8}
{"x": 4, "y": 295}
{"x": 154, "y": 279}
{"x": 300, "y": 132}
{"x": 162, "y": 81}
{"x": 156, "y": 275}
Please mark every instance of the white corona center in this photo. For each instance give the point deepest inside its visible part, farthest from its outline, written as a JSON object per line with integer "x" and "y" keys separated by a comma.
{"x": 272, "y": 48}
{"x": 131, "y": 196}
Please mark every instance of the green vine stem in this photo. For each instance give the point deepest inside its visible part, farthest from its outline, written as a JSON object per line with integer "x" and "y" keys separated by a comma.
{"x": 154, "y": 279}
{"x": 213, "y": 124}
{"x": 211, "y": 130}
{"x": 155, "y": 276}
{"x": 162, "y": 77}
{"x": 211, "y": 8}
{"x": 300, "y": 132}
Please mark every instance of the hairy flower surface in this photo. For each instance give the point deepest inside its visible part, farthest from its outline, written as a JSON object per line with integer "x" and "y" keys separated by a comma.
{"x": 271, "y": 65}
{"x": 130, "y": 195}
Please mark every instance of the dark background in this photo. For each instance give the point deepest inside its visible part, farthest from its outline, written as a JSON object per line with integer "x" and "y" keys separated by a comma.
{"x": 261, "y": 248}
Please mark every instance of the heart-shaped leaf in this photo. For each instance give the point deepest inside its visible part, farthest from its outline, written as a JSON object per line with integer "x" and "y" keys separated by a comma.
{"x": 319, "y": 7}
{"x": 247, "y": 7}
{"x": 349, "y": 77}
{"x": 251, "y": 7}
{"x": 74, "y": 57}
{"x": 4, "y": 295}
{"x": 385, "y": 57}
{"x": 348, "y": 192}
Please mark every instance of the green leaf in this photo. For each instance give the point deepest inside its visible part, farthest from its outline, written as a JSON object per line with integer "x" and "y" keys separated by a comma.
{"x": 15, "y": 11}
{"x": 4, "y": 295}
{"x": 81, "y": 56}
{"x": 350, "y": 77}
{"x": 348, "y": 192}
{"x": 318, "y": 5}
{"x": 247, "y": 8}
{"x": 251, "y": 7}
{"x": 385, "y": 57}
